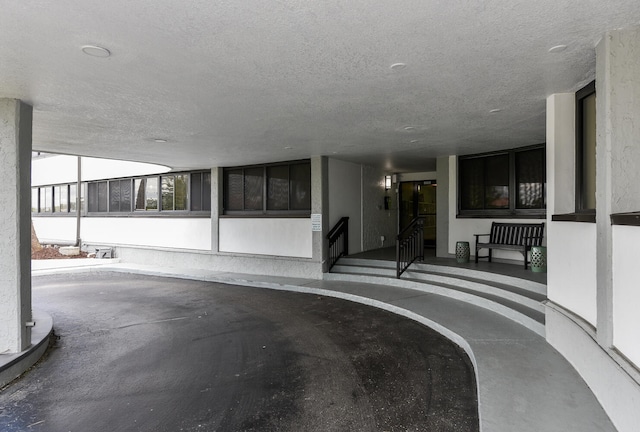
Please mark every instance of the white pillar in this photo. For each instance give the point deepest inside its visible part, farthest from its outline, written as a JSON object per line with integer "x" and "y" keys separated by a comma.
{"x": 15, "y": 224}
{"x": 617, "y": 151}
{"x": 561, "y": 159}
{"x": 442, "y": 207}
{"x": 320, "y": 205}
{"x": 217, "y": 193}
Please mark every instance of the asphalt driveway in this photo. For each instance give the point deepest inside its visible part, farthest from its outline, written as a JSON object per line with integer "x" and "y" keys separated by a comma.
{"x": 140, "y": 353}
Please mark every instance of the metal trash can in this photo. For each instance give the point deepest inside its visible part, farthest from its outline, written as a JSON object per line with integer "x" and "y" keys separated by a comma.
{"x": 463, "y": 251}
{"x": 539, "y": 259}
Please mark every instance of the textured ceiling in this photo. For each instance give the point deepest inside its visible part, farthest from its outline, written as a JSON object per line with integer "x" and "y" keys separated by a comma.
{"x": 231, "y": 82}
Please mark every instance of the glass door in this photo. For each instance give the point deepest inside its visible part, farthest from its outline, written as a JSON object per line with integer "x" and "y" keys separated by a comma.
{"x": 419, "y": 199}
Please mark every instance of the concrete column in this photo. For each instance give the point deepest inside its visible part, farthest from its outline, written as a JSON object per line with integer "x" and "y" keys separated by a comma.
{"x": 442, "y": 207}
{"x": 320, "y": 205}
{"x": 216, "y": 207}
{"x": 561, "y": 156}
{"x": 617, "y": 153}
{"x": 15, "y": 225}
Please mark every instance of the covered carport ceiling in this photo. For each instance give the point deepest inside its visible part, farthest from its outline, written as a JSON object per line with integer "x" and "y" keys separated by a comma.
{"x": 237, "y": 82}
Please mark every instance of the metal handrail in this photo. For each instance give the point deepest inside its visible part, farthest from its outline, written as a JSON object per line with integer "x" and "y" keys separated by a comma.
{"x": 410, "y": 245}
{"x": 338, "y": 248}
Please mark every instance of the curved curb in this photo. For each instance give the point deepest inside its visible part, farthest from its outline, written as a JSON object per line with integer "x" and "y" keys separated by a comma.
{"x": 14, "y": 365}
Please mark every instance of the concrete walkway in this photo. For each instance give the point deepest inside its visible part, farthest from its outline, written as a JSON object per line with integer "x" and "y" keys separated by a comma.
{"x": 523, "y": 383}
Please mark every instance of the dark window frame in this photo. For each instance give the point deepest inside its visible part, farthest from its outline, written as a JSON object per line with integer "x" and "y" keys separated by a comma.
{"x": 581, "y": 95}
{"x": 512, "y": 212}
{"x": 133, "y": 211}
{"x": 203, "y": 192}
{"x": 144, "y": 181}
{"x": 42, "y": 195}
{"x": 265, "y": 211}
{"x": 110, "y": 189}
{"x": 96, "y": 196}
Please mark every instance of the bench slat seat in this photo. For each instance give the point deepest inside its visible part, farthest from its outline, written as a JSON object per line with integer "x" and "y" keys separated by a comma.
{"x": 511, "y": 236}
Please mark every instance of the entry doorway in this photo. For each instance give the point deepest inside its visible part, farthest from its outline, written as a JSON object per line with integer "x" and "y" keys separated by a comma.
{"x": 418, "y": 198}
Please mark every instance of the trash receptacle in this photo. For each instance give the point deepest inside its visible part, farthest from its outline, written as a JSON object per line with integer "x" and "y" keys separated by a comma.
{"x": 539, "y": 259}
{"x": 462, "y": 252}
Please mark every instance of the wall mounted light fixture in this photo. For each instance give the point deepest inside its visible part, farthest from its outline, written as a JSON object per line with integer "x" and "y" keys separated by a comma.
{"x": 387, "y": 182}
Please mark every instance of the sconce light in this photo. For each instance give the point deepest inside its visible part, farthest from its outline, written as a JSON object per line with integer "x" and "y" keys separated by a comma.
{"x": 387, "y": 182}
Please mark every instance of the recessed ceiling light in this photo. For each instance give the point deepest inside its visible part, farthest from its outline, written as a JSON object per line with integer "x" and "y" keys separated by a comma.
{"x": 495, "y": 110}
{"x": 557, "y": 49}
{"x": 413, "y": 141}
{"x": 159, "y": 140}
{"x": 96, "y": 51}
{"x": 288, "y": 148}
{"x": 398, "y": 66}
{"x": 409, "y": 128}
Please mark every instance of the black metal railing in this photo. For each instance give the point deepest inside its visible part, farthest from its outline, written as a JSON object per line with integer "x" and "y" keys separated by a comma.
{"x": 338, "y": 241}
{"x": 410, "y": 245}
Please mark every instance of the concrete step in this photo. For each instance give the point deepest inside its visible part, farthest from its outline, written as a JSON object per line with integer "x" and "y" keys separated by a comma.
{"x": 520, "y": 301}
{"x": 460, "y": 272}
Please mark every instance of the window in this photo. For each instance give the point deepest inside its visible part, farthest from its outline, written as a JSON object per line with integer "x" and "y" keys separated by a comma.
{"x": 181, "y": 193}
{"x": 57, "y": 199}
{"x": 233, "y": 190}
{"x": 120, "y": 195}
{"x": 158, "y": 194}
{"x": 300, "y": 186}
{"x": 278, "y": 186}
{"x": 283, "y": 188}
{"x": 46, "y": 198}
{"x": 167, "y": 192}
{"x": 98, "y": 198}
{"x": 531, "y": 179}
{"x": 146, "y": 190}
{"x": 174, "y": 192}
{"x": 253, "y": 188}
{"x": 504, "y": 184}
{"x": 73, "y": 196}
{"x": 35, "y": 200}
{"x": 586, "y": 149}
{"x": 201, "y": 191}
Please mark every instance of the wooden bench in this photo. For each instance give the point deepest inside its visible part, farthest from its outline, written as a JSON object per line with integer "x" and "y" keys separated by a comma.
{"x": 511, "y": 236}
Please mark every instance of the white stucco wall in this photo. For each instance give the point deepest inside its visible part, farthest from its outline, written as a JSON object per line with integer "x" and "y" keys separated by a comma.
{"x": 593, "y": 267}
{"x": 571, "y": 272}
{"x": 463, "y": 229}
{"x": 55, "y": 229}
{"x": 615, "y": 388}
{"x": 179, "y": 233}
{"x": 345, "y": 199}
{"x": 287, "y": 237}
{"x": 626, "y": 292}
{"x": 571, "y": 246}
{"x": 376, "y": 221}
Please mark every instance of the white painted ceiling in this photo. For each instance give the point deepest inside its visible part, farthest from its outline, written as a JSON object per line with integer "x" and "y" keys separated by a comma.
{"x": 233, "y": 82}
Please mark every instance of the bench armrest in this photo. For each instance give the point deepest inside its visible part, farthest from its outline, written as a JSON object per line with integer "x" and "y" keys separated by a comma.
{"x": 480, "y": 235}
